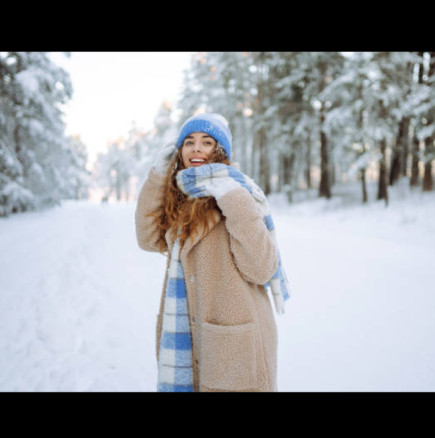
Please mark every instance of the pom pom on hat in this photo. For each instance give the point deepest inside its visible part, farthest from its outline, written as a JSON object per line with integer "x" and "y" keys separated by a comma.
{"x": 214, "y": 125}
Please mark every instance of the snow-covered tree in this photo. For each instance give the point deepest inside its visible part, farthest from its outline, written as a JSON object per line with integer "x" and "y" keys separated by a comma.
{"x": 164, "y": 131}
{"x": 77, "y": 178}
{"x": 292, "y": 112}
{"x": 127, "y": 162}
{"x": 420, "y": 108}
{"x": 372, "y": 111}
{"x": 113, "y": 170}
{"x": 32, "y": 140}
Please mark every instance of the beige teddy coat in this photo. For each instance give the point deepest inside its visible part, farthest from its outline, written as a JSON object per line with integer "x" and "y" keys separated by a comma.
{"x": 234, "y": 334}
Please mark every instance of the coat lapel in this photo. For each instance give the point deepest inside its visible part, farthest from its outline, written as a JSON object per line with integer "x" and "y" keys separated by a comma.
{"x": 191, "y": 241}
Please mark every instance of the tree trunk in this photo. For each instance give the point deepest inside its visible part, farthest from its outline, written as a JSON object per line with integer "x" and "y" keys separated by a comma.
{"x": 415, "y": 158}
{"x": 395, "y": 163}
{"x": 288, "y": 162}
{"x": 244, "y": 165}
{"x": 400, "y": 152}
{"x": 254, "y": 157}
{"x": 325, "y": 185}
{"x": 17, "y": 141}
{"x": 286, "y": 170}
{"x": 325, "y": 176}
{"x": 429, "y": 148}
{"x": 407, "y": 125}
{"x": 363, "y": 173}
{"x": 427, "y": 177}
{"x": 280, "y": 172}
{"x": 332, "y": 174}
{"x": 117, "y": 184}
{"x": 263, "y": 156}
{"x": 308, "y": 162}
{"x": 264, "y": 162}
{"x": 415, "y": 141}
{"x": 405, "y": 146}
{"x": 364, "y": 186}
{"x": 429, "y": 155}
{"x": 382, "y": 183}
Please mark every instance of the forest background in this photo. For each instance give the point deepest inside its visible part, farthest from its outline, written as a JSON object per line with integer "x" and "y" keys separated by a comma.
{"x": 303, "y": 123}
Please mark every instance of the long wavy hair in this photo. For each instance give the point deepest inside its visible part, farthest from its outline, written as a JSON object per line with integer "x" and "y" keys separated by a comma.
{"x": 192, "y": 215}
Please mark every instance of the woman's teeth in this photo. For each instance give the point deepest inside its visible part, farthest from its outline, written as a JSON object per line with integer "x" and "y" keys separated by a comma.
{"x": 197, "y": 160}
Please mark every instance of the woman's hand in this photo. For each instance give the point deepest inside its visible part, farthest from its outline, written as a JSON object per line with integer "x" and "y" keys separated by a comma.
{"x": 164, "y": 157}
{"x": 220, "y": 186}
{"x": 208, "y": 180}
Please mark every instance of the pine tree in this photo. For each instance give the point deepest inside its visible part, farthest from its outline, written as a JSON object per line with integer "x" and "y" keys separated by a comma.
{"x": 296, "y": 110}
{"x": 415, "y": 154}
{"x": 293, "y": 122}
{"x": 32, "y": 132}
{"x": 429, "y": 132}
{"x": 421, "y": 108}
{"x": 321, "y": 68}
{"x": 400, "y": 147}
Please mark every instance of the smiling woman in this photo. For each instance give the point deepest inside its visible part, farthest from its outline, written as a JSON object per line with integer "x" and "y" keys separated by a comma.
{"x": 198, "y": 149}
{"x": 203, "y": 139}
{"x": 215, "y": 328}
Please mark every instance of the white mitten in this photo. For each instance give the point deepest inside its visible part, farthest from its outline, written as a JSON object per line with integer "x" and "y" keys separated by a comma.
{"x": 164, "y": 157}
{"x": 218, "y": 187}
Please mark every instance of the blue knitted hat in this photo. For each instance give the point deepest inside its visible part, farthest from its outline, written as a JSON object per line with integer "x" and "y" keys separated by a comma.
{"x": 214, "y": 125}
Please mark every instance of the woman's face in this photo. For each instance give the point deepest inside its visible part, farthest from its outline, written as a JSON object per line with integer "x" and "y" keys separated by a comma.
{"x": 197, "y": 149}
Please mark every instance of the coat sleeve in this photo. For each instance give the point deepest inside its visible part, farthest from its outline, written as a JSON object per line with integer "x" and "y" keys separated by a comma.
{"x": 252, "y": 245}
{"x": 150, "y": 199}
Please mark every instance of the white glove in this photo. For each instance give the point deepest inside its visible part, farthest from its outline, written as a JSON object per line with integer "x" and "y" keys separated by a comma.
{"x": 164, "y": 157}
{"x": 220, "y": 186}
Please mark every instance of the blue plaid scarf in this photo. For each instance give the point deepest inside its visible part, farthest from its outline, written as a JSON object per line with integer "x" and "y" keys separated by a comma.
{"x": 175, "y": 372}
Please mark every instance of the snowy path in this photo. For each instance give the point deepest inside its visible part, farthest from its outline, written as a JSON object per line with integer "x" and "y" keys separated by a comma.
{"x": 361, "y": 316}
{"x": 78, "y": 300}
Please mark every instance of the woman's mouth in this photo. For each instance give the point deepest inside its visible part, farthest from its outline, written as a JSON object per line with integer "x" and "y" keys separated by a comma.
{"x": 197, "y": 161}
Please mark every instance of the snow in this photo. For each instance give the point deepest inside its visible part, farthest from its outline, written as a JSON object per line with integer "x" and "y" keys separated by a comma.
{"x": 79, "y": 299}
{"x": 29, "y": 80}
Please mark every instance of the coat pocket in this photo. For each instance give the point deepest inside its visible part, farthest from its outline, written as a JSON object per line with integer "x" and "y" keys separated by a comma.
{"x": 228, "y": 357}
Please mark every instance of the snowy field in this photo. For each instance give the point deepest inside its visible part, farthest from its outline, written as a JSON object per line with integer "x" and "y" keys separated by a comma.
{"x": 79, "y": 299}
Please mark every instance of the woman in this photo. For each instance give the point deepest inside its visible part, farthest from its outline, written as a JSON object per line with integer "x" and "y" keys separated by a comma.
{"x": 216, "y": 329}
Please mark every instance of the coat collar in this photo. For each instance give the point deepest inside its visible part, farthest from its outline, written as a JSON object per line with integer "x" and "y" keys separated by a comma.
{"x": 191, "y": 241}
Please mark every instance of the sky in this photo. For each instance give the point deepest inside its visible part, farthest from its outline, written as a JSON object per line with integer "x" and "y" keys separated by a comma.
{"x": 111, "y": 90}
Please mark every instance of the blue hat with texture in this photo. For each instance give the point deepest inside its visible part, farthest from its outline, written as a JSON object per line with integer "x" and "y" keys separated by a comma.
{"x": 214, "y": 125}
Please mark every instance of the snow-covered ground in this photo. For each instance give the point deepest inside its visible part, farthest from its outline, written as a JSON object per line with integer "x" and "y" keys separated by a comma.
{"x": 79, "y": 299}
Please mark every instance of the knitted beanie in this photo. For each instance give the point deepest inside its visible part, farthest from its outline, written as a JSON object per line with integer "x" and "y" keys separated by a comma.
{"x": 214, "y": 125}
